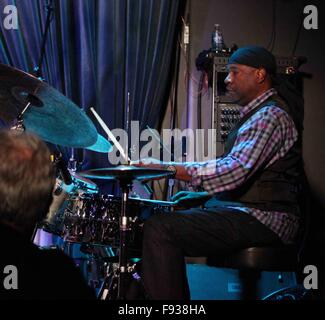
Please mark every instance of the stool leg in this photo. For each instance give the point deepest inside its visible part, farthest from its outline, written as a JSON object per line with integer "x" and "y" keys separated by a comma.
{"x": 249, "y": 280}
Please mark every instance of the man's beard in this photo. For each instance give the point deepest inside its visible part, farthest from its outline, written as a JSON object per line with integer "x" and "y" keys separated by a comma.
{"x": 232, "y": 96}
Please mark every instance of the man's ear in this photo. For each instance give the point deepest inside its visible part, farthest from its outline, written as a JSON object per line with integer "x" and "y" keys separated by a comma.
{"x": 261, "y": 75}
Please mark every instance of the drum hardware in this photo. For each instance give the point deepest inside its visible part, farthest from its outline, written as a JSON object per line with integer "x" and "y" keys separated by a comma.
{"x": 109, "y": 286}
{"x": 124, "y": 175}
{"x": 27, "y": 103}
{"x": 84, "y": 184}
{"x": 62, "y": 168}
{"x": 92, "y": 221}
{"x": 97, "y": 267}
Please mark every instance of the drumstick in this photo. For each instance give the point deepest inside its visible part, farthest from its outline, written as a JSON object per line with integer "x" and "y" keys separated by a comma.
{"x": 110, "y": 134}
{"x": 157, "y": 137}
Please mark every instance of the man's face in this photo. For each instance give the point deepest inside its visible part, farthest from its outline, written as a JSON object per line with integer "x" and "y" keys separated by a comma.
{"x": 242, "y": 82}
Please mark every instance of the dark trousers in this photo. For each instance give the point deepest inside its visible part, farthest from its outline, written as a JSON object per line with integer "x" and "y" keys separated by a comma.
{"x": 168, "y": 237}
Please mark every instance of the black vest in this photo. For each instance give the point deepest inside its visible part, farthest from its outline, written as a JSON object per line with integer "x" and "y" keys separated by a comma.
{"x": 276, "y": 188}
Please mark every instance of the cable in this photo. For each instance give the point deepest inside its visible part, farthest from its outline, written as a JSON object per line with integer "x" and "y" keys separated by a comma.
{"x": 199, "y": 101}
{"x": 271, "y": 44}
{"x": 298, "y": 35}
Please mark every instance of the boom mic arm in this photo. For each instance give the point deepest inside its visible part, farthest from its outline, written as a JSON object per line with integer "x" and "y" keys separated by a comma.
{"x": 63, "y": 169}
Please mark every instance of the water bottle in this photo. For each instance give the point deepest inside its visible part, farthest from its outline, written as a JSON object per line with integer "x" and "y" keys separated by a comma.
{"x": 217, "y": 43}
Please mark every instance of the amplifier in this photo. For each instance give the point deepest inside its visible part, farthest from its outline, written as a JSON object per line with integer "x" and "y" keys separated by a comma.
{"x": 285, "y": 65}
{"x": 225, "y": 114}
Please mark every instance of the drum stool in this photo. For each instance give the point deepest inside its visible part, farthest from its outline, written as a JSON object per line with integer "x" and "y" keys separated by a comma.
{"x": 252, "y": 261}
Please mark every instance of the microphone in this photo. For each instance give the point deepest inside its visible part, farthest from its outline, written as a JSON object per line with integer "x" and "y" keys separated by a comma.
{"x": 64, "y": 172}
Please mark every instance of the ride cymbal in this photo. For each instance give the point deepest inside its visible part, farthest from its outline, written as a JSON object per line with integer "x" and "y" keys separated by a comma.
{"x": 52, "y": 116}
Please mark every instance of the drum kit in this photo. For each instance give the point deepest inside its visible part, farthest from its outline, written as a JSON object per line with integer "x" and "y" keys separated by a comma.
{"x": 78, "y": 214}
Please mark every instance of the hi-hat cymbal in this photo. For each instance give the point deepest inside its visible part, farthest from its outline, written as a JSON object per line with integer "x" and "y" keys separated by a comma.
{"x": 129, "y": 173}
{"x": 52, "y": 116}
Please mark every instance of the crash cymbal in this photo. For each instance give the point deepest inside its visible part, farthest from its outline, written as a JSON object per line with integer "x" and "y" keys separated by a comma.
{"x": 102, "y": 145}
{"x": 129, "y": 173}
{"x": 52, "y": 116}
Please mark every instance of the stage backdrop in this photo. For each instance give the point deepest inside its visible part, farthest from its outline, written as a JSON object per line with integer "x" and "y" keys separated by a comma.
{"x": 96, "y": 52}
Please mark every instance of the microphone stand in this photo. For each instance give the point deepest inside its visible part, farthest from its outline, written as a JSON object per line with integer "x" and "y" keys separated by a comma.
{"x": 72, "y": 163}
{"x": 50, "y": 10}
{"x": 19, "y": 122}
{"x": 31, "y": 100}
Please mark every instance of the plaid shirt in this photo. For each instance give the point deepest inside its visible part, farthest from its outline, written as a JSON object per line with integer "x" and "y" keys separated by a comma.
{"x": 264, "y": 138}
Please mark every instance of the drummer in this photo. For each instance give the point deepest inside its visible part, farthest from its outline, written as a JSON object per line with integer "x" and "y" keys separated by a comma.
{"x": 256, "y": 185}
{"x": 26, "y": 183}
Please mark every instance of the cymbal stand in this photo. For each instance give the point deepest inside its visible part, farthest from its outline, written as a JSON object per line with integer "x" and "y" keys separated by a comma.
{"x": 107, "y": 290}
{"x": 19, "y": 121}
{"x": 126, "y": 186}
{"x": 117, "y": 277}
{"x": 31, "y": 100}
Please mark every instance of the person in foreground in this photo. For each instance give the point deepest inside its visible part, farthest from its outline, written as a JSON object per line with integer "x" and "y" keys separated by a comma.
{"x": 254, "y": 187}
{"x": 26, "y": 183}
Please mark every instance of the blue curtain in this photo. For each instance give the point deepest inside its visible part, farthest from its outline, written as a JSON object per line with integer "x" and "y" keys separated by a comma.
{"x": 97, "y": 52}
